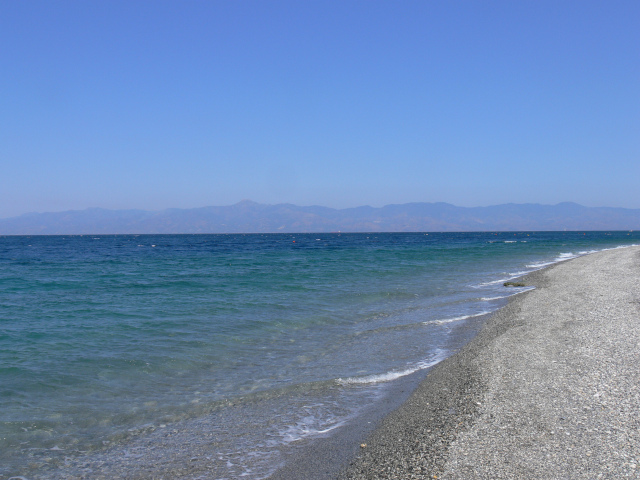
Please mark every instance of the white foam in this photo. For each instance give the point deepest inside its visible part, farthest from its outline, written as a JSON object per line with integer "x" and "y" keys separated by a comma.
{"x": 389, "y": 376}
{"x": 570, "y": 255}
{"x": 539, "y": 265}
{"x": 519, "y": 274}
{"x": 500, "y": 281}
{"x": 490, "y": 299}
{"x": 442, "y": 321}
{"x": 532, "y": 266}
{"x": 293, "y": 433}
{"x": 492, "y": 282}
{"x": 560, "y": 258}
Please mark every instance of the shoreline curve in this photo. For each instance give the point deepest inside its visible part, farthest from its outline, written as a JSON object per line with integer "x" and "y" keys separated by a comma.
{"x": 549, "y": 386}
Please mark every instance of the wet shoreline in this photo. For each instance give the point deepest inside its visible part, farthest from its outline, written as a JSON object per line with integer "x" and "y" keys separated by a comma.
{"x": 512, "y": 403}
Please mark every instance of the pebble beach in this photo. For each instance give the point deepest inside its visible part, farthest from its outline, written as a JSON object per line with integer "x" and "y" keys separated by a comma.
{"x": 550, "y": 388}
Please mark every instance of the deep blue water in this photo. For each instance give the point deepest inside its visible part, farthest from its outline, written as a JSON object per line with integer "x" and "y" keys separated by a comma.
{"x": 104, "y": 339}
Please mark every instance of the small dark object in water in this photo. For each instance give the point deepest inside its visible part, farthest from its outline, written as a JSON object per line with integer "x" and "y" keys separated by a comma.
{"x": 514, "y": 284}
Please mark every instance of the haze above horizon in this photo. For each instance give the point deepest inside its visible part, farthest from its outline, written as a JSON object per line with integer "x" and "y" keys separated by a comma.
{"x": 166, "y": 104}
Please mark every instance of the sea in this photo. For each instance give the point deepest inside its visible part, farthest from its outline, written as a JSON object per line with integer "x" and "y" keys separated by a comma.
{"x": 132, "y": 354}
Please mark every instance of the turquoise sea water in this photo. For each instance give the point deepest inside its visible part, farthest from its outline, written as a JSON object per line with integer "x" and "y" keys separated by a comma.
{"x": 265, "y": 340}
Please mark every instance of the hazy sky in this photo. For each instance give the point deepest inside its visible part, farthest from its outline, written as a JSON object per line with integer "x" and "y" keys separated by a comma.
{"x": 155, "y": 104}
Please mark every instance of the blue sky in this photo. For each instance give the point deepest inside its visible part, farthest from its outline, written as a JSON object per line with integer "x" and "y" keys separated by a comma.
{"x": 156, "y": 104}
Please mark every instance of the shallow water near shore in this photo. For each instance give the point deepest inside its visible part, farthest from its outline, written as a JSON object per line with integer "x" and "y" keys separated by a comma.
{"x": 225, "y": 351}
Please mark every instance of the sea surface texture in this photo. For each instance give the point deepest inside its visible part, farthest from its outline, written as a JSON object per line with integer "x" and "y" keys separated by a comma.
{"x": 238, "y": 346}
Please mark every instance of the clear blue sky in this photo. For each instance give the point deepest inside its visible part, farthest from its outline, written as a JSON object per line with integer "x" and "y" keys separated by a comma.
{"x": 156, "y": 104}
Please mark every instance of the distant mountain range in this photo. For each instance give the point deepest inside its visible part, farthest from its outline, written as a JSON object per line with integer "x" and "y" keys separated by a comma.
{"x": 252, "y": 217}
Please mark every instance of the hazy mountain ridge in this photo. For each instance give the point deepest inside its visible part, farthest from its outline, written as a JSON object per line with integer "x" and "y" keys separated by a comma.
{"x": 252, "y": 217}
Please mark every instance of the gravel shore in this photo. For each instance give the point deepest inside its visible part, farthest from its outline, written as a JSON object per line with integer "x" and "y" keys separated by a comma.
{"x": 549, "y": 389}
